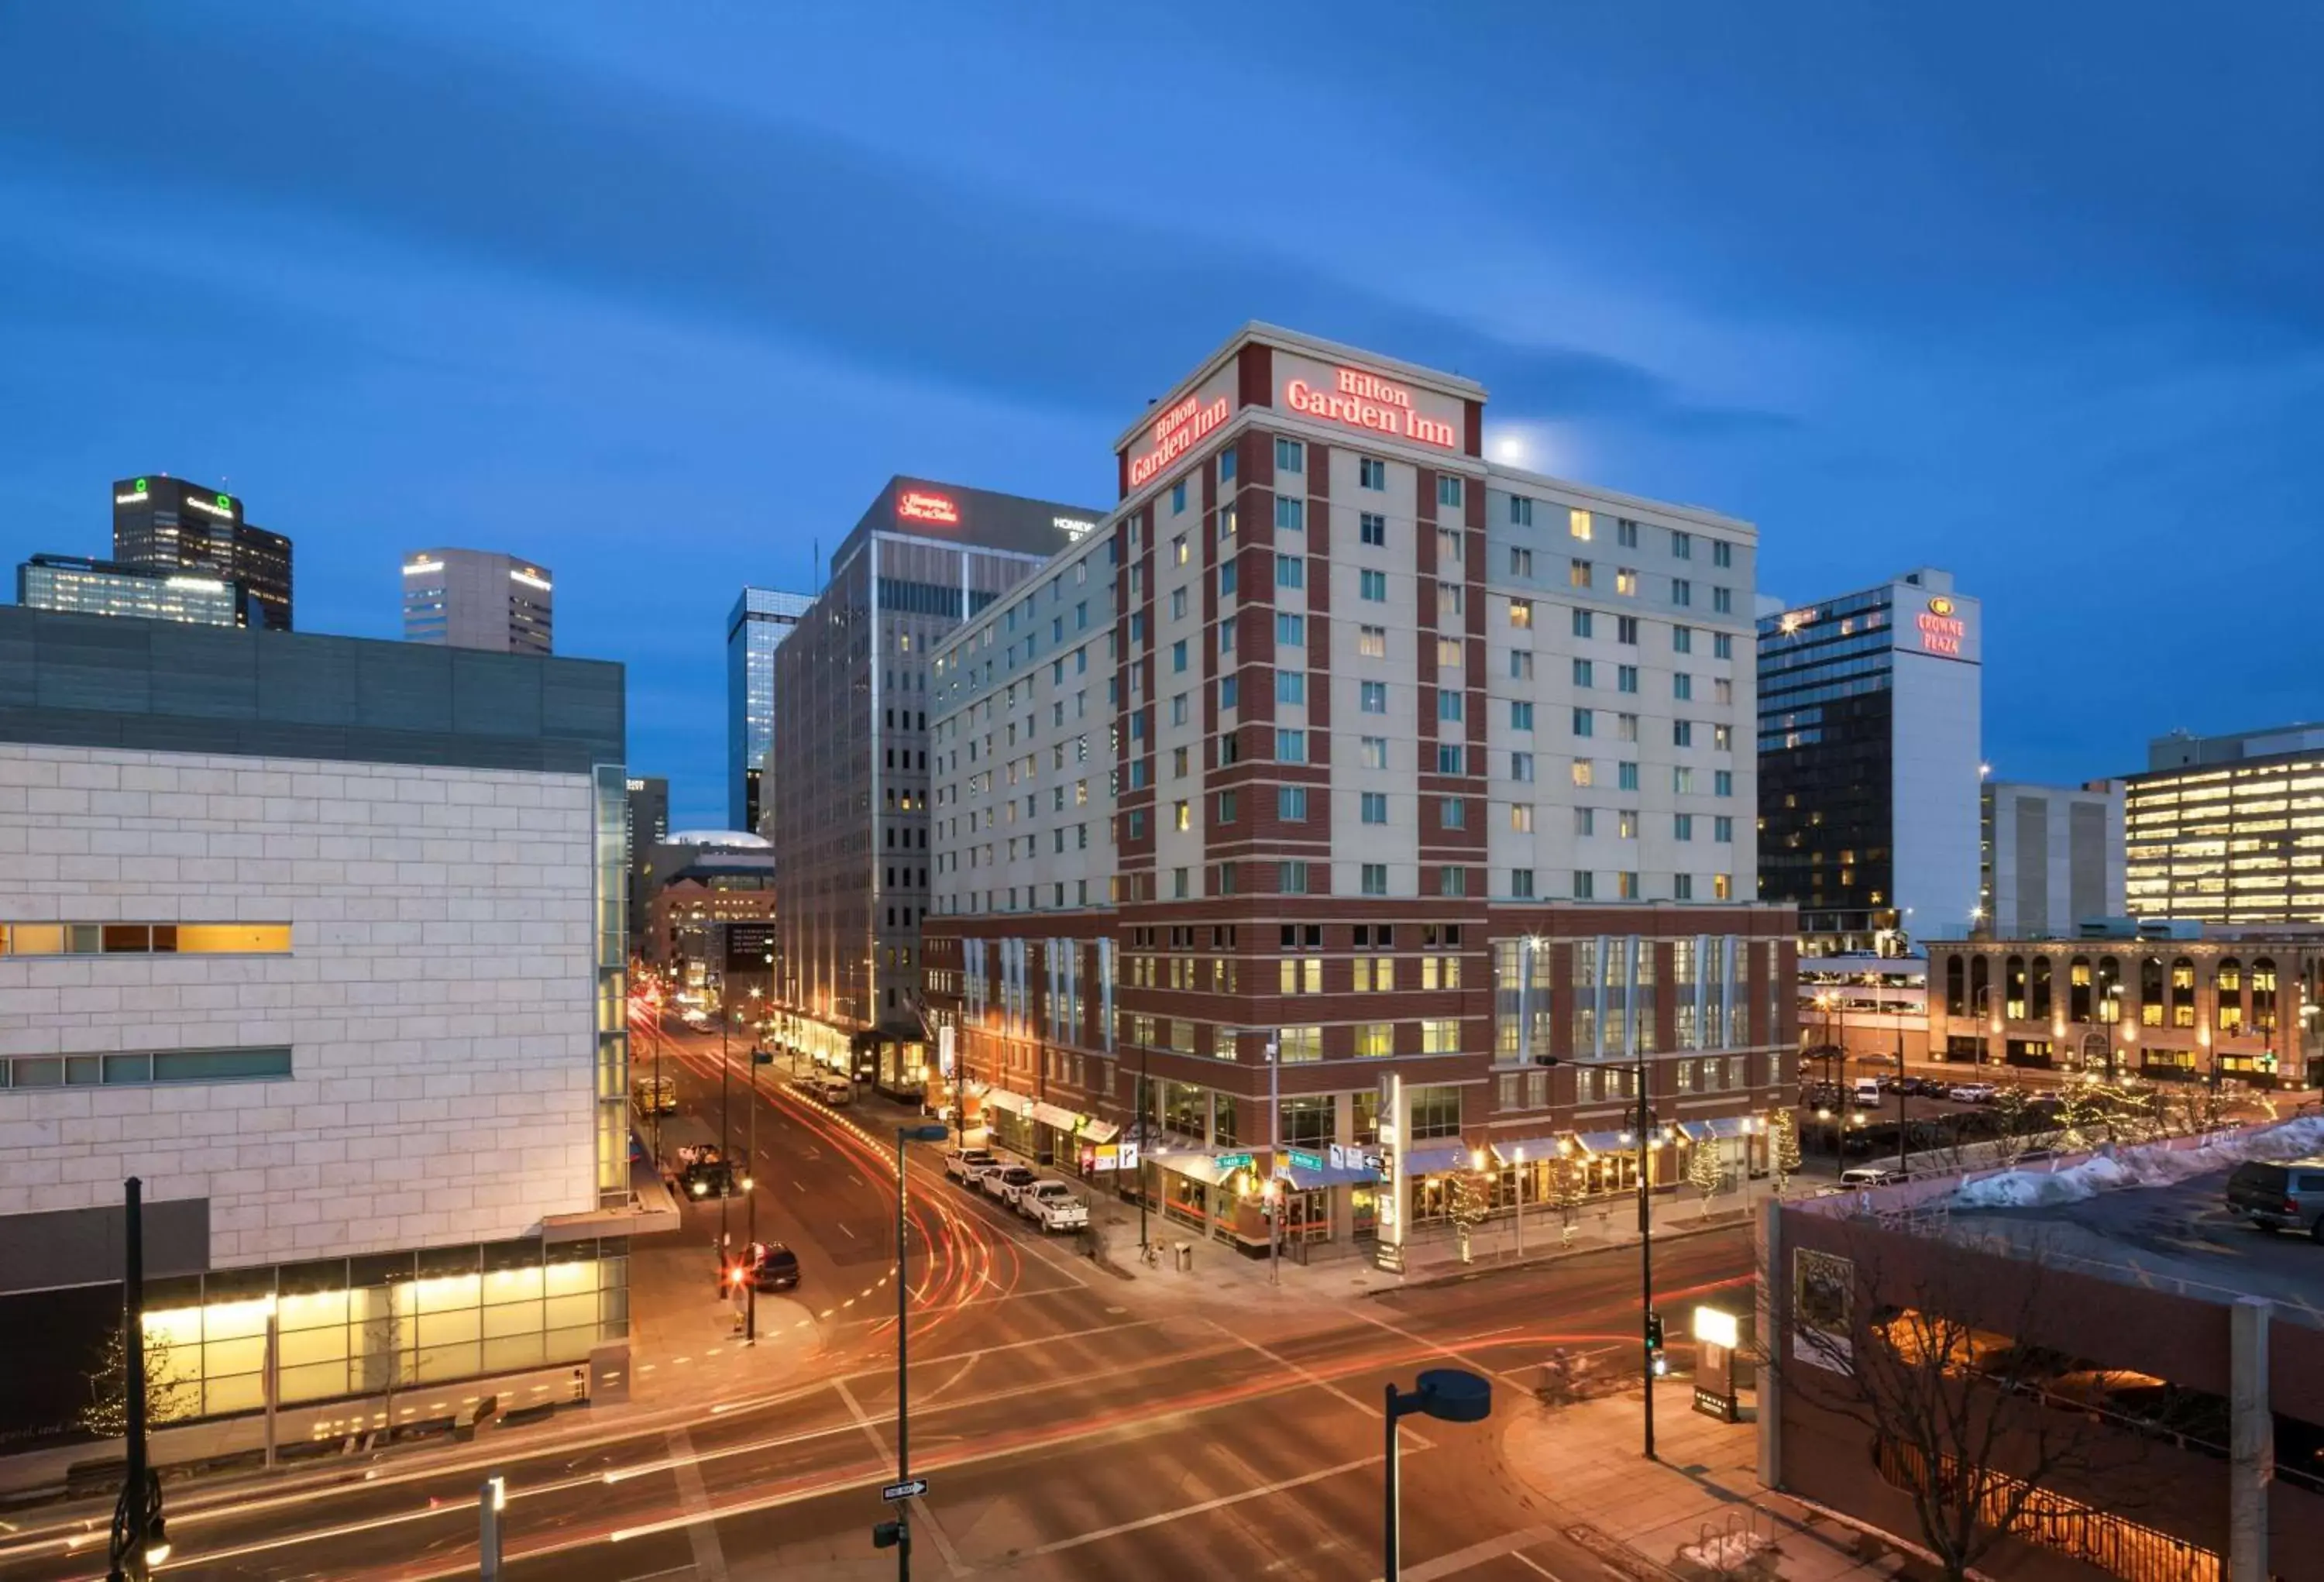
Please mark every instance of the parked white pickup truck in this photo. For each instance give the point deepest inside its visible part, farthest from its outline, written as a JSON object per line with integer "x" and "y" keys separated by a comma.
{"x": 1052, "y": 1206}
{"x": 962, "y": 1163}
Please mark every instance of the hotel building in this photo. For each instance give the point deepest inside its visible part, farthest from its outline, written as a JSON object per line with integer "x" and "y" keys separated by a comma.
{"x": 322, "y": 939}
{"x": 2229, "y": 829}
{"x": 1869, "y": 719}
{"x": 1374, "y": 810}
{"x": 848, "y": 815}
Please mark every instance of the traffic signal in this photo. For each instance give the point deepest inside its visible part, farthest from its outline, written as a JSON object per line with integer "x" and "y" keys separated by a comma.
{"x": 1657, "y": 1364}
{"x": 885, "y": 1534}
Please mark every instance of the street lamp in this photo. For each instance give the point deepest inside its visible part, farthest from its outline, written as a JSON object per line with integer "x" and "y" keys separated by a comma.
{"x": 139, "y": 1540}
{"x": 1447, "y": 1395}
{"x": 901, "y": 1533}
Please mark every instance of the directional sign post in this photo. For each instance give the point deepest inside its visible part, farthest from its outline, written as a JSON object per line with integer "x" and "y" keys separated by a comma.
{"x": 896, "y": 1492}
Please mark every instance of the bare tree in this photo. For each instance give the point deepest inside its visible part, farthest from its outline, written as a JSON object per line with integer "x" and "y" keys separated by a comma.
{"x": 1990, "y": 1435}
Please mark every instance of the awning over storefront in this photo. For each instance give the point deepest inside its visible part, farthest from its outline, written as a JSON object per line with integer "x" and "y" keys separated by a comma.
{"x": 1732, "y": 1126}
{"x": 1304, "y": 1179}
{"x": 1001, "y": 1098}
{"x": 1433, "y": 1159}
{"x": 1697, "y": 1131}
{"x": 1050, "y": 1114}
{"x": 1094, "y": 1131}
{"x": 1602, "y": 1141}
{"x": 1199, "y": 1167}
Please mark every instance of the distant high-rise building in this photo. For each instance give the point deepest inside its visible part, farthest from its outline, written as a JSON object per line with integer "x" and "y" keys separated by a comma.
{"x": 2052, "y": 858}
{"x": 644, "y": 825}
{"x": 169, "y": 522}
{"x": 761, "y": 619}
{"x": 2221, "y": 829}
{"x": 106, "y": 588}
{"x": 477, "y": 598}
{"x": 851, "y": 710}
{"x": 1870, "y": 714}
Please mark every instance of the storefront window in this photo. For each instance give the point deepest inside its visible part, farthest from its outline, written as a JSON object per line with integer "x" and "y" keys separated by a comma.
{"x": 1307, "y": 1122}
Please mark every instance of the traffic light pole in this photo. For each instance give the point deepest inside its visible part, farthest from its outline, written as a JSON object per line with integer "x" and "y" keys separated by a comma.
{"x": 1646, "y": 1248}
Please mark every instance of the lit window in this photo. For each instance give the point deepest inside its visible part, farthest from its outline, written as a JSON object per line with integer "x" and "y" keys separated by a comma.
{"x": 1577, "y": 522}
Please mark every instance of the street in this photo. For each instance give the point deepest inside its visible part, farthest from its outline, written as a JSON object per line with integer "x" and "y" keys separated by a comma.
{"x": 1071, "y": 1421}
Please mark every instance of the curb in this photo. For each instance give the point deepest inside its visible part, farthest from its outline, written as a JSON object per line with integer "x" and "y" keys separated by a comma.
{"x": 1468, "y": 1271}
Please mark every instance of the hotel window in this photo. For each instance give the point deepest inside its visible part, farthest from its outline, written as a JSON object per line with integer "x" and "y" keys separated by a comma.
{"x": 1182, "y": 816}
{"x": 1448, "y": 759}
{"x": 1374, "y": 807}
{"x": 1372, "y": 586}
{"x": 1439, "y": 1035}
{"x": 1448, "y": 489}
{"x": 1373, "y": 751}
{"x": 1625, "y": 533}
{"x": 1453, "y": 813}
{"x": 1178, "y": 657}
{"x": 1581, "y": 672}
{"x": 1177, "y": 497}
{"x": 1626, "y": 629}
{"x": 1374, "y": 879}
{"x": 1626, "y": 824}
{"x": 1226, "y": 465}
{"x": 1626, "y": 887}
{"x": 1681, "y": 733}
{"x": 1451, "y": 599}
{"x": 1290, "y": 572}
{"x": 1521, "y": 766}
{"x": 1722, "y": 886}
{"x": 1521, "y": 664}
{"x": 1290, "y": 516}
{"x": 1372, "y": 697}
{"x": 1722, "y": 690}
{"x": 1521, "y": 818}
{"x": 1226, "y": 579}
{"x": 1230, "y": 690}
{"x": 1178, "y": 544}
{"x": 1626, "y": 580}
{"x": 1291, "y": 878}
{"x": 1290, "y": 631}
{"x": 1520, "y": 562}
{"x": 1448, "y": 653}
{"x": 1722, "y": 737}
{"x": 1371, "y": 641}
{"x": 1226, "y": 523}
{"x": 144, "y": 939}
{"x": 1372, "y": 529}
{"x": 1723, "y": 601}
{"x": 1298, "y": 1045}
{"x": 1683, "y": 687}
{"x": 1290, "y": 746}
{"x": 1226, "y": 808}
{"x": 1626, "y": 776}
{"x": 1723, "y": 645}
{"x": 1520, "y": 510}
{"x": 1722, "y": 553}
{"x": 1584, "y": 725}
{"x": 1452, "y": 881}
{"x": 1371, "y": 473}
{"x": 1581, "y": 619}
{"x": 1521, "y": 614}
{"x": 1448, "y": 546}
{"x": 1521, "y": 883}
{"x": 1578, "y": 573}
{"x": 1722, "y": 782}
{"x": 1682, "y": 827}
{"x": 1682, "y": 546}
{"x": 1289, "y": 456}
{"x": 1722, "y": 829}
{"x": 1682, "y": 591}
{"x": 1682, "y": 640}
{"x": 1585, "y": 820}
{"x": 1520, "y": 717}
{"x": 1291, "y": 803}
{"x": 1577, "y": 523}
{"x": 1585, "y": 885}
{"x": 1626, "y": 678}
{"x": 1448, "y": 704}
{"x": 1585, "y": 773}
{"x": 1374, "y": 1039}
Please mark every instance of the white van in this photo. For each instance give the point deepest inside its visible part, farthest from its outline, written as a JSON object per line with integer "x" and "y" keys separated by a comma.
{"x": 1866, "y": 1093}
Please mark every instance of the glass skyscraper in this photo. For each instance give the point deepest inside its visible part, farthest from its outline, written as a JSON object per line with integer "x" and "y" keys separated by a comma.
{"x": 762, "y": 618}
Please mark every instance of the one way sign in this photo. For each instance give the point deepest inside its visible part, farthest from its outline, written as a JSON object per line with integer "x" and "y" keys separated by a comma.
{"x": 905, "y": 1491}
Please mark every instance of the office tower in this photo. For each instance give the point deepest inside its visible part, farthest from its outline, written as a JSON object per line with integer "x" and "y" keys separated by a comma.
{"x": 2051, "y": 857}
{"x": 1347, "y": 812}
{"x": 478, "y": 598}
{"x": 169, "y": 522}
{"x": 851, "y": 718}
{"x": 762, "y": 618}
{"x": 1869, "y": 719}
{"x": 2229, "y": 828}
{"x": 645, "y": 824}
{"x": 106, "y": 588}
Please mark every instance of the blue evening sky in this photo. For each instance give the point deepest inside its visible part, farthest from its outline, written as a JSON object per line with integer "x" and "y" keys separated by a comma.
{"x": 662, "y": 295}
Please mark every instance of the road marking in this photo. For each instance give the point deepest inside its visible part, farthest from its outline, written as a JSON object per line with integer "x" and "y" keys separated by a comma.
{"x": 1309, "y": 1373}
{"x": 956, "y": 1357}
{"x": 799, "y": 1184}
{"x": 1490, "y": 1548}
{"x": 702, "y": 1531}
{"x": 1438, "y": 1347}
{"x": 848, "y": 1233}
{"x": 863, "y": 1421}
{"x": 1218, "y": 1502}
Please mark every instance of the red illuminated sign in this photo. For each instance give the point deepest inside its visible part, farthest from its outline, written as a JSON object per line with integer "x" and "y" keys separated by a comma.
{"x": 1175, "y": 433}
{"x": 1942, "y": 631}
{"x": 920, "y": 505}
{"x": 1366, "y": 401}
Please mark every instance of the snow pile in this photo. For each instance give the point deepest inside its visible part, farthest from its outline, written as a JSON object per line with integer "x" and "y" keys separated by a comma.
{"x": 2149, "y": 1164}
{"x": 1729, "y": 1550}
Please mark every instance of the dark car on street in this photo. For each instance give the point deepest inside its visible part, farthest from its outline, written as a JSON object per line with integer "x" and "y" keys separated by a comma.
{"x": 2285, "y": 1195}
{"x": 772, "y": 1266}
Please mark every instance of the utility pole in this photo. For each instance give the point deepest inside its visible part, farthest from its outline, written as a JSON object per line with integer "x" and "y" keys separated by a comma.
{"x": 1145, "y": 1102}
{"x": 725, "y": 1136}
{"x": 1649, "y": 1326}
{"x": 1274, "y": 1164}
{"x": 751, "y": 1193}
{"x": 139, "y": 1541}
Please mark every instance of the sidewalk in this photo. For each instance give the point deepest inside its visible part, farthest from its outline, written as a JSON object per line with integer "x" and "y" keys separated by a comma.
{"x": 1698, "y": 1512}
